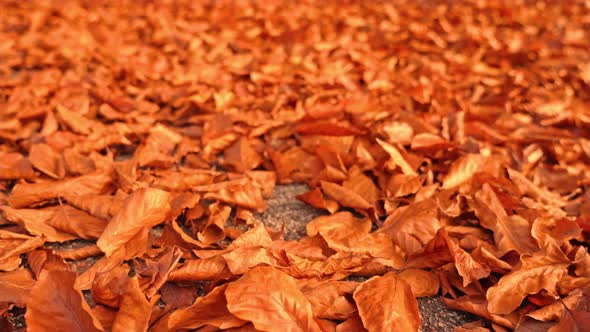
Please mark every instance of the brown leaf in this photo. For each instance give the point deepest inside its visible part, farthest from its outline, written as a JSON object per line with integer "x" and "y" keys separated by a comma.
{"x": 135, "y": 310}
{"x": 463, "y": 170}
{"x": 242, "y": 156}
{"x": 468, "y": 268}
{"x": 363, "y": 186}
{"x": 247, "y": 196}
{"x": 15, "y": 166}
{"x": 213, "y": 231}
{"x": 539, "y": 271}
{"x": 36, "y": 222}
{"x": 142, "y": 210}
{"x": 344, "y": 196}
{"x": 353, "y": 324}
{"x": 412, "y": 226}
{"x": 345, "y": 233}
{"x": 211, "y": 310}
{"x": 510, "y": 232}
{"x": 315, "y": 198}
{"x": 211, "y": 268}
{"x": 269, "y": 298}
{"x": 55, "y": 305}
{"x": 387, "y": 303}
{"x": 12, "y": 245}
{"x": 421, "y": 282}
{"x": 77, "y": 222}
{"x": 15, "y": 286}
{"x": 329, "y": 298}
{"x": 45, "y": 159}
{"x": 397, "y": 158}
{"x": 242, "y": 259}
{"x": 25, "y": 194}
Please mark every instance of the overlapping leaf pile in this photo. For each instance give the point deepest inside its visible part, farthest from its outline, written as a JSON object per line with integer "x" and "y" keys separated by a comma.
{"x": 449, "y": 145}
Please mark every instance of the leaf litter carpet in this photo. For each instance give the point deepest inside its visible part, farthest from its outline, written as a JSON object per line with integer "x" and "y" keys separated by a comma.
{"x": 444, "y": 145}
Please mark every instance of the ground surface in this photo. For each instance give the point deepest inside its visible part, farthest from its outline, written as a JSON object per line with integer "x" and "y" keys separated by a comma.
{"x": 286, "y": 211}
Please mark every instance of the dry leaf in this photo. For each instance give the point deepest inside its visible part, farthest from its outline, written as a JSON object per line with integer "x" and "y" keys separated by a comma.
{"x": 68, "y": 310}
{"x": 421, "y": 282}
{"x": 142, "y": 210}
{"x": 386, "y": 303}
{"x": 540, "y": 271}
{"x": 211, "y": 310}
{"x": 270, "y": 298}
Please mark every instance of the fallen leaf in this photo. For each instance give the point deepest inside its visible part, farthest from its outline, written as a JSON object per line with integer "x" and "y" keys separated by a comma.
{"x": 421, "y": 282}
{"x": 142, "y": 210}
{"x": 134, "y": 311}
{"x": 386, "y": 303}
{"x": 45, "y": 159}
{"x": 211, "y": 310}
{"x": 68, "y": 310}
{"x": 539, "y": 271}
{"x": 270, "y": 298}
{"x": 15, "y": 286}
{"x": 397, "y": 158}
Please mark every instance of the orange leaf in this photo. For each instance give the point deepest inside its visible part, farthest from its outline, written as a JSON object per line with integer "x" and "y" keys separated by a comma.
{"x": 510, "y": 232}
{"x": 135, "y": 310}
{"x": 15, "y": 286}
{"x": 387, "y": 304}
{"x": 25, "y": 194}
{"x": 421, "y": 282}
{"x": 269, "y": 298}
{"x": 54, "y": 305}
{"x": 45, "y": 159}
{"x": 212, "y": 310}
{"x": 15, "y": 166}
{"x": 142, "y": 210}
{"x": 463, "y": 170}
{"x": 345, "y": 196}
{"x": 397, "y": 158}
{"x": 540, "y": 271}
{"x": 412, "y": 226}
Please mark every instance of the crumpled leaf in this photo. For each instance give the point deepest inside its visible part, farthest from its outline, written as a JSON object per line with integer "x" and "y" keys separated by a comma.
{"x": 214, "y": 230}
{"x": 142, "y": 210}
{"x": 463, "y": 170}
{"x": 468, "y": 268}
{"x": 55, "y": 305}
{"x": 12, "y": 245}
{"x": 270, "y": 298}
{"x": 211, "y": 310}
{"x": 539, "y": 271}
{"x": 412, "y": 226}
{"x": 211, "y": 268}
{"x": 135, "y": 310}
{"x": 510, "y": 232}
{"x": 329, "y": 299}
{"x": 345, "y": 233}
{"x": 387, "y": 303}
{"x": 397, "y": 158}
{"x": 28, "y": 194}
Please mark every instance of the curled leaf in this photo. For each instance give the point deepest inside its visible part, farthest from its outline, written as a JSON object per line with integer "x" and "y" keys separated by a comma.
{"x": 142, "y": 210}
